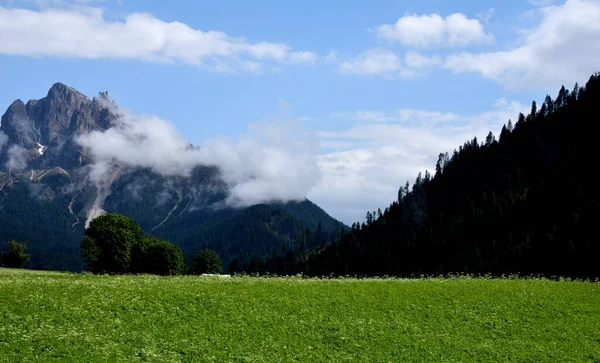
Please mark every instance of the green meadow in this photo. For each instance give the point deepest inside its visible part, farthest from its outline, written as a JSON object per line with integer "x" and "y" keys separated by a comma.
{"x": 64, "y": 317}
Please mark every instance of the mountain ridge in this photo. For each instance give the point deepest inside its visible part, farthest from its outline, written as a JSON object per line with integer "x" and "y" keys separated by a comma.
{"x": 46, "y": 174}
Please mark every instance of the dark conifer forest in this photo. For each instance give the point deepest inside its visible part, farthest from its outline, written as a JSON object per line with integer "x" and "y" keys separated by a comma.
{"x": 523, "y": 202}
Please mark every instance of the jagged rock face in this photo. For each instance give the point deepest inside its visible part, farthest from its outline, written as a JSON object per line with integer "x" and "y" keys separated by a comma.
{"x": 47, "y": 129}
{"x": 17, "y": 125}
{"x": 40, "y": 147}
{"x": 6, "y": 180}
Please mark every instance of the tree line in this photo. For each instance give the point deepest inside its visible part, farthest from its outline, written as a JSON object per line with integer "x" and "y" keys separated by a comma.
{"x": 116, "y": 244}
{"x": 15, "y": 257}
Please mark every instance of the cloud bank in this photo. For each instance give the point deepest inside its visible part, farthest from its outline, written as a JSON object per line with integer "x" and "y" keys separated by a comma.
{"x": 271, "y": 162}
{"x": 562, "y": 48}
{"x": 82, "y": 32}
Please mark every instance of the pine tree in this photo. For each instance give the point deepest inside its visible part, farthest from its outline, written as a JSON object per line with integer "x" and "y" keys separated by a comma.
{"x": 575, "y": 93}
{"x": 490, "y": 139}
{"x": 418, "y": 180}
{"x": 561, "y": 99}
{"x": 319, "y": 235}
{"x": 427, "y": 178}
{"x": 543, "y": 111}
{"x": 549, "y": 105}
{"x": 504, "y": 134}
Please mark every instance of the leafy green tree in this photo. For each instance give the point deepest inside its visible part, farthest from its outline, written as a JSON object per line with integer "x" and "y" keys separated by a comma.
{"x": 206, "y": 261}
{"x": 108, "y": 242}
{"x": 139, "y": 255}
{"x": 163, "y": 258}
{"x": 16, "y": 256}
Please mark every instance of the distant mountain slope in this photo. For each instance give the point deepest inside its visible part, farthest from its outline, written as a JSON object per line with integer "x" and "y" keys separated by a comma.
{"x": 47, "y": 195}
{"x": 44, "y": 221}
{"x": 254, "y": 230}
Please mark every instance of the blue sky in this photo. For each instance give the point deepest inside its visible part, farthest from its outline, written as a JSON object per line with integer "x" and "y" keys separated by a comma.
{"x": 382, "y": 88}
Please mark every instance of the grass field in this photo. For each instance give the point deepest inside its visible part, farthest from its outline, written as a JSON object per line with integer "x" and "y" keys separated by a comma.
{"x": 56, "y": 317}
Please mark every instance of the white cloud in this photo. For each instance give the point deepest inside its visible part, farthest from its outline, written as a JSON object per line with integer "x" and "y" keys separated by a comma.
{"x": 433, "y": 30}
{"x": 365, "y": 115}
{"x": 303, "y": 57}
{"x": 368, "y": 115}
{"x": 418, "y": 60}
{"x": 426, "y": 118}
{"x": 403, "y": 115}
{"x": 486, "y": 16}
{"x": 384, "y": 62}
{"x": 82, "y": 32}
{"x": 377, "y": 62}
{"x": 563, "y": 48}
{"x": 17, "y": 158}
{"x": 383, "y": 149}
{"x": 274, "y": 162}
{"x": 331, "y": 57}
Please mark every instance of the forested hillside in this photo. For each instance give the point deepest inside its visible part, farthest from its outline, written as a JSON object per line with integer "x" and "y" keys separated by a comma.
{"x": 523, "y": 203}
{"x": 53, "y": 235}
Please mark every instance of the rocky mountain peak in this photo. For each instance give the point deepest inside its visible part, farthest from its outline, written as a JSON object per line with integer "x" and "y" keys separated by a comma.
{"x": 62, "y": 90}
{"x": 17, "y": 107}
{"x": 17, "y": 125}
{"x": 51, "y": 124}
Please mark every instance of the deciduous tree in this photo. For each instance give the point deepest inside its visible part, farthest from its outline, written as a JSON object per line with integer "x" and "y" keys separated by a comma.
{"x": 108, "y": 242}
{"x": 206, "y": 261}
